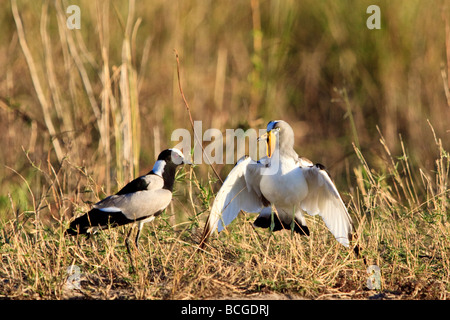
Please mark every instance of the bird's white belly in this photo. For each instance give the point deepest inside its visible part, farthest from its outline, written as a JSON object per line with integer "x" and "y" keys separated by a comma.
{"x": 286, "y": 188}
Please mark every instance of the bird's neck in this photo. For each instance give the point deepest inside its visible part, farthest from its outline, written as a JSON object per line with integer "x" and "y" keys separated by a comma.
{"x": 286, "y": 151}
{"x": 169, "y": 177}
{"x": 166, "y": 171}
{"x": 159, "y": 167}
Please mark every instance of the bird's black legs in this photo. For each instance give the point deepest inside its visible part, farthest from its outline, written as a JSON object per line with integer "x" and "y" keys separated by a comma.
{"x": 357, "y": 248}
{"x": 127, "y": 242}
{"x": 127, "y": 239}
{"x": 136, "y": 240}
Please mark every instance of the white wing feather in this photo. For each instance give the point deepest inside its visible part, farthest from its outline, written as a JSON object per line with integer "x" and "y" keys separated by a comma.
{"x": 234, "y": 195}
{"x": 324, "y": 199}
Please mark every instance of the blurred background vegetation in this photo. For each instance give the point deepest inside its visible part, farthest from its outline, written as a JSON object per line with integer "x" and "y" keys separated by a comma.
{"x": 91, "y": 108}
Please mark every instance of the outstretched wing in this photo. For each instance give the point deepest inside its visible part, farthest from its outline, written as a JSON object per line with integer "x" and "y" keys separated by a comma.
{"x": 324, "y": 199}
{"x": 240, "y": 191}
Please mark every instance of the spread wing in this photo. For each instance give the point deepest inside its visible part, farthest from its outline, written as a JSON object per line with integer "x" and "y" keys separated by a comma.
{"x": 240, "y": 191}
{"x": 324, "y": 199}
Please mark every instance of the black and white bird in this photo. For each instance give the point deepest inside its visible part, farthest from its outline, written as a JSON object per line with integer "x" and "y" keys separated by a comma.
{"x": 293, "y": 185}
{"x": 140, "y": 201}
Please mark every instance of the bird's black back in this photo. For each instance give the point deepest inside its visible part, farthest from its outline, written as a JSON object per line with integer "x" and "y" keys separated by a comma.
{"x": 136, "y": 185}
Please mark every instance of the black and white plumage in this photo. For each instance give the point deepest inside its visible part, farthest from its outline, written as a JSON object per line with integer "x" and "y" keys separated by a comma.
{"x": 293, "y": 185}
{"x": 140, "y": 201}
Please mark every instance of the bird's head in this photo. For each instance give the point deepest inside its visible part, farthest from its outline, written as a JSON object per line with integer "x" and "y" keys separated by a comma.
{"x": 173, "y": 156}
{"x": 279, "y": 133}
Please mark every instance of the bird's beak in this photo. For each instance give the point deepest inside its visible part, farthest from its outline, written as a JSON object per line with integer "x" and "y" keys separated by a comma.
{"x": 271, "y": 142}
{"x": 263, "y": 137}
{"x": 186, "y": 161}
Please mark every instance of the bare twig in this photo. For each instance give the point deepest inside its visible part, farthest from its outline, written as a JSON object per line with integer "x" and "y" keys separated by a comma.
{"x": 446, "y": 86}
{"x": 190, "y": 116}
{"x": 445, "y": 76}
{"x": 36, "y": 82}
{"x": 8, "y": 107}
{"x": 103, "y": 32}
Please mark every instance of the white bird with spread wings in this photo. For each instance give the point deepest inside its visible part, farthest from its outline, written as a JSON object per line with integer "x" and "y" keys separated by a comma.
{"x": 293, "y": 185}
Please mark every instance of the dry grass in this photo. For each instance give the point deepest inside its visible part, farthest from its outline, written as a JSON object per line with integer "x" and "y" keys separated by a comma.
{"x": 403, "y": 232}
{"x": 85, "y": 111}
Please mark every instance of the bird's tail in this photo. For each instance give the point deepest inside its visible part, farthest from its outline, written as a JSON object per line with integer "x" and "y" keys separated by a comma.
{"x": 97, "y": 218}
